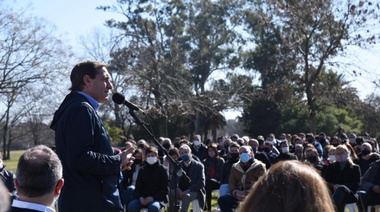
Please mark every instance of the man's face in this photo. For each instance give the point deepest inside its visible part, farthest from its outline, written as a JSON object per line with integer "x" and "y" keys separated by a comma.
{"x": 99, "y": 88}
{"x": 183, "y": 151}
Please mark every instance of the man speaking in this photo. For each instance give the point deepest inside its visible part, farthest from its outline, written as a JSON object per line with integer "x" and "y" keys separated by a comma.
{"x": 91, "y": 167}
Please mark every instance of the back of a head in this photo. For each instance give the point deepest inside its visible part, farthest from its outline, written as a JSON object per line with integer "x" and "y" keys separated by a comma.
{"x": 38, "y": 171}
{"x": 289, "y": 186}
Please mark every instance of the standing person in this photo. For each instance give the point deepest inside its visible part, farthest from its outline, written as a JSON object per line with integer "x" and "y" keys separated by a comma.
{"x": 289, "y": 186}
{"x": 91, "y": 166}
{"x": 150, "y": 191}
{"x": 38, "y": 180}
{"x": 213, "y": 170}
{"x": 343, "y": 178}
{"x": 244, "y": 175}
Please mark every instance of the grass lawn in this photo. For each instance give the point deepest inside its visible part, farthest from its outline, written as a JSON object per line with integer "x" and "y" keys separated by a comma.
{"x": 12, "y": 163}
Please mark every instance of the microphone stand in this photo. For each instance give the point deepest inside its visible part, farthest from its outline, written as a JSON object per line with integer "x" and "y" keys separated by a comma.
{"x": 177, "y": 170}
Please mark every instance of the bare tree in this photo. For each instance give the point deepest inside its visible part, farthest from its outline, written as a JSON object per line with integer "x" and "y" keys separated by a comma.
{"x": 31, "y": 58}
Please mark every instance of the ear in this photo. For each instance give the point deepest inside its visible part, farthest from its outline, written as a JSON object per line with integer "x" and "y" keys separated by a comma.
{"x": 16, "y": 184}
{"x": 58, "y": 187}
{"x": 87, "y": 81}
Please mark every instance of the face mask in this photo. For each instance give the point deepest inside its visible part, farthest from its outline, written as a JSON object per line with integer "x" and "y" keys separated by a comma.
{"x": 197, "y": 143}
{"x": 310, "y": 140}
{"x": 335, "y": 144}
{"x": 312, "y": 159}
{"x": 151, "y": 160}
{"x": 353, "y": 140}
{"x": 332, "y": 158}
{"x": 285, "y": 150}
{"x": 298, "y": 152}
{"x": 234, "y": 156}
{"x": 137, "y": 161}
{"x": 341, "y": 158}
{"x": 365, "y": 152}
{"x": 185, "y": 157}
{"x": 166, "y": 145}
{"x": 244, "y": 157}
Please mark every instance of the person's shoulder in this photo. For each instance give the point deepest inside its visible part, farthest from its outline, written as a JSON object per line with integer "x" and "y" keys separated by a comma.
{"x": 15, "y": 209}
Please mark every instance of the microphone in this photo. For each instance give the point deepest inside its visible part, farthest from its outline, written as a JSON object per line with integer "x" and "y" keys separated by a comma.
{"x": 120, "y": 99}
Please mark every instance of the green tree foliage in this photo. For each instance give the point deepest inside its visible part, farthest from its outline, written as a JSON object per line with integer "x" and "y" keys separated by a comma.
{"x": 306, "y": 35}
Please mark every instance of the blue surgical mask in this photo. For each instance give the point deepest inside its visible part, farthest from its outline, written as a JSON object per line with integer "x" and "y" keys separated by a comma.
{"x": 185, "y": 157}
{"x": 244, "y": 157}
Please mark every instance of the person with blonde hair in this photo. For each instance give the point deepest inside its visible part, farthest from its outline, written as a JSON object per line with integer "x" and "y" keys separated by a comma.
{"x": 343, "y": 178}
{"x": 289, "y": 186}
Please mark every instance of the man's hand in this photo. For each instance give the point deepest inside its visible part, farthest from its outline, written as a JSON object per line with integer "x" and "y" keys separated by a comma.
{"x": 127, "y": 158}
{"x": 240, "y": 195}
{"x": 142, "y": 201}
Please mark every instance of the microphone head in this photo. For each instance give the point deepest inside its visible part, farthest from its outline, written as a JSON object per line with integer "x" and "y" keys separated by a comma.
{"x": 118, "y": 98}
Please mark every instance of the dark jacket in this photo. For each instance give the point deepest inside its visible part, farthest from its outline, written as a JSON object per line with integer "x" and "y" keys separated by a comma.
{"x": 349, "y": 176}
{"x": 285, "y": 156}
{"x": 152, "y": 181}
{"x": 90, "y": 168}
{"x": 201, "y": 152}
{"x": 198, "y": 180}
{"x": 217, "y": 163}
{"x": 14, "y": 209}
{"x": 371, "y": 177}
{"x": 226, "y": 170}
{"x": 8, "y": 179}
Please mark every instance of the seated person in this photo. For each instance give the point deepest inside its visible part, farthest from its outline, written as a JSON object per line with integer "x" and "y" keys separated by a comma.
{"x": 195, "y": 189}
{"x": 243, "y": 175}
{"x": 38, "y": 180}
{"x": 343, "y": 178}
{"x": 289, "y": 186}
{"x": 370, "y": 184}
{"x": 151, "y": 184}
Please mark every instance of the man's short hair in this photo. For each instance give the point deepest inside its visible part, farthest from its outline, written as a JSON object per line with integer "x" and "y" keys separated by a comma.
{"x": 151, "y": 149}
{"x": 88, "y": 67}
{"x": 185, "y": 146}
{"x": 38, "y": 171}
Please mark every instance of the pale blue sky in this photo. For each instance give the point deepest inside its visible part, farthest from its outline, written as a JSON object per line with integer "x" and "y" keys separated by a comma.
{"x": 72, "y": 18}
{"x": 75, "y": 18}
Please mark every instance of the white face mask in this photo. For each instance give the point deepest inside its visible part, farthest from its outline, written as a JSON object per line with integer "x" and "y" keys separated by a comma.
{"x": 197, "y": 143}
{"x": 285, "y": 149}
{"x": 151, "y": 160}
{"x": 332, "y": 158}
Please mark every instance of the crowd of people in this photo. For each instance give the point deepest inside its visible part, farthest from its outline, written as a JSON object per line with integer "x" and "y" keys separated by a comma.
{"x": 300, "y": 172}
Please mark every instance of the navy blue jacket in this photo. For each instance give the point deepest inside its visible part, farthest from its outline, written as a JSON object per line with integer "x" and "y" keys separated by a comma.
{"x": 90, "y": 169}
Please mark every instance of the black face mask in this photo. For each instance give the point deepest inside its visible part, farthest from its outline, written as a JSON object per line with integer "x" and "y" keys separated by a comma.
{"x": 310, "y": 140}
{"x": 365, "y": 152}
{"x": 266, "y": 149}
{"x": 234, "y": 156}
{"x": 137, "y": 161}
{"x": 335, "y": 145}
{"x": 322, "y": 140}
{"x": 312, "y": 159}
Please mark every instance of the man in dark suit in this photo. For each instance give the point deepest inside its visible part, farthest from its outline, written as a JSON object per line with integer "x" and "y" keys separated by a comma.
{"x": 38, "y": 180}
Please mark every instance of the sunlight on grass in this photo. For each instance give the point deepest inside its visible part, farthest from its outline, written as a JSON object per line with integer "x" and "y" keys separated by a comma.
{"x": 12, "y": 163}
